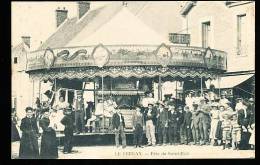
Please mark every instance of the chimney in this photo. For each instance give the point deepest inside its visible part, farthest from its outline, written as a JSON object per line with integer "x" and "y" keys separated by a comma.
{"x": 83, "y": 7}
{"x": 124, "y": 3}
{"x": 61, "y": 16}
{"x": 26, "y": 40}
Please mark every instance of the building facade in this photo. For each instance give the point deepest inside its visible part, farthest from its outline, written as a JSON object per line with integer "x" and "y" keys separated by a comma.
{"x": 227, "y": 26}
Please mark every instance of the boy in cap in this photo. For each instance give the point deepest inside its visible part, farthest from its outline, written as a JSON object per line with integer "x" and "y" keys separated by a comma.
{"x": 236, "y": 132}
{"x": 138, "y": 123}
{"x": 162, "y": 123}
{"x": 226, "y": 131}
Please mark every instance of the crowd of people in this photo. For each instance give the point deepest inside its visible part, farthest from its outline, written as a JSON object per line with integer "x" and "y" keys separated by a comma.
{"x": 198, "y": 121}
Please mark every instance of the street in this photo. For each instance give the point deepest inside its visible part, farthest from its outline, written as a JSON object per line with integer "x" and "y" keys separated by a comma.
{"x": 158, "y": 152}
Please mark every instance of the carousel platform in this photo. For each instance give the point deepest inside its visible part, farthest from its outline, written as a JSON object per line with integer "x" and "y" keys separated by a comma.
{"x": 97, "y": 138}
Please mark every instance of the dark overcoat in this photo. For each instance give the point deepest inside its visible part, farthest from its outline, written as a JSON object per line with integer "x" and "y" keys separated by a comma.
{"x": 49, "y": 146}
{"x": 29, "y": 148}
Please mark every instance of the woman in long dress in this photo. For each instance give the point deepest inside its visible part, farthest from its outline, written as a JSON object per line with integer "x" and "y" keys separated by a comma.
{"x": 49, "y": 147}
{"x": 29, "y": 148}
{"x": 15, "y": 133}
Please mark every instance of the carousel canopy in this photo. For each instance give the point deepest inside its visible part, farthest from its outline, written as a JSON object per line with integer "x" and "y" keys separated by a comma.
{"x": 123, "y": 29}
{"x": 119, "y": 43}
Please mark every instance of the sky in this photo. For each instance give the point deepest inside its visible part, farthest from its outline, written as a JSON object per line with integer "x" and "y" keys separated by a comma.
{"x": 37, "y": 19}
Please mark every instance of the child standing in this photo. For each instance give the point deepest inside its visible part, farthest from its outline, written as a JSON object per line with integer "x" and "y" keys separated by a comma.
{"x": 236, "y": 132}
{"x": 226, "y": 131}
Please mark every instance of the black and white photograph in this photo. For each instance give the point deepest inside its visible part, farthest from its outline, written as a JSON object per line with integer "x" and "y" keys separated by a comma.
{"x": 133, "y": 80}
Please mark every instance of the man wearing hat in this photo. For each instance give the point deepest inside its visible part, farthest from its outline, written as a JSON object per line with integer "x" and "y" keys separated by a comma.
{"x": 185, "y": 127}
{"x": 244, "y": 115}
{"x": 118, "y": 124}
{"x": 251, "y": 107}
{"x": 79, "y": 113}
{"x": 223, "y": 100}
{"x": 180, "y": 122}
{"x": 67, "y": 121}
{"x": 150, "y": 122}
{"x": 215, "y": 119}
{"x": 204, "y": 122}
{"x": 173, "y": 125}
{"x": 138, "y": 123}
{"x": 162, "y": 123}
{"x": 195, "y": 124}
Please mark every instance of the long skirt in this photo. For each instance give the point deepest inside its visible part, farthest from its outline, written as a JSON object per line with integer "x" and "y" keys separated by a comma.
{"x": 49, "y": 146}
{"x": 29, "y": 148}
{"x": 15, "y": 133}
{"x": 218, "y": 134}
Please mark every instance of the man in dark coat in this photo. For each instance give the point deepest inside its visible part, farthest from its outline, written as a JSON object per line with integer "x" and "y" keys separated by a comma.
{"x": 49, "y": 146}
{"x": 185, "y": 126}
{"x": 204, "y": 122}
{"x": 118, "y": 124}
{"x": 173, "y": 124}
{"x": 244, "y": 115}
{"x": 180, "y": 122}
{"x": 162, "y": 124}
{"x": 79, "y": 114}
{"x": 195, "y": 124}
{"x": 29, "y": 148}
{"x": 67, "y": 121}
{"x": 138, "y": 123}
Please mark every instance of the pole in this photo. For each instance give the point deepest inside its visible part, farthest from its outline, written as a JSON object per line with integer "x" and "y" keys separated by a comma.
{"x": 159, "y": 89}
{"x": 102, "y": 81}
{"x": 176, "y": 92}
{"x": 33, "y": 94}
{"x": 55, "y": 85}
{"x": 218, "y": 85}
{"x": 40, "y": 91}
{"x": 201, "y": 88}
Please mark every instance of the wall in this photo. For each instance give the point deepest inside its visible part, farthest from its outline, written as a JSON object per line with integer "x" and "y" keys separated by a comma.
{"x": 224, "y": 31}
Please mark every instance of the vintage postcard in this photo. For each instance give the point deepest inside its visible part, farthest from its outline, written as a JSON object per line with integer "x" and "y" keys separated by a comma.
{"x": 133, "y": 80}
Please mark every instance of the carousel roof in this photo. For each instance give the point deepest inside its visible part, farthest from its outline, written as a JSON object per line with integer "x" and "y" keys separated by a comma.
{"x": 164, "y": 20}
{"x": 123, "y": 29}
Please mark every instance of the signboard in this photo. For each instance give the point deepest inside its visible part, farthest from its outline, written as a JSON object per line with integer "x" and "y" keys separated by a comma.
{"x": 101, "y": 55}
{"x": 49, "y": 58}
{"x": 163, "y": 54}
{"x": 179, "y": 38}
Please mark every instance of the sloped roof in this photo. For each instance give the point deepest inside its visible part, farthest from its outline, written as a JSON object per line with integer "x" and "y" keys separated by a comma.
{"x": 162, "y": 17}
{"x": 93, "y": 19}
{"x": 18, "y": 50}
{"x": 123, "y": 28}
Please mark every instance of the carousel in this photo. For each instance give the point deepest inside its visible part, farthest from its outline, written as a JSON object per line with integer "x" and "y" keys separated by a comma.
{"x": 122, "y": 68}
